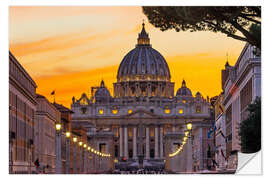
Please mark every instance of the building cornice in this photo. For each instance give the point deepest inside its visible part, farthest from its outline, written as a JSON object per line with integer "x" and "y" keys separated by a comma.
{"x": 17, "y": 85}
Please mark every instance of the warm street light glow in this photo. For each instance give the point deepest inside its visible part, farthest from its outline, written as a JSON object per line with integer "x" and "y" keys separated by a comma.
{"x": 80, "y": 143}
{"x": 92, "y": 150}
{"x": 88, "y": 148}
{"x": 189, "y": 126}
{"x": 67, "y": 134}
{"x": 186, "y": 133}
{"x": 58, "y": 126}
{"x": 75, "y": 139}
{"x": 84, "y": 145}
{"x": 184, "y": 139}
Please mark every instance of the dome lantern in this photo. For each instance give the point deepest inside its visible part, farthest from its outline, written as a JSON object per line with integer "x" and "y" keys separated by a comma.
{"x": 143, "y": 38}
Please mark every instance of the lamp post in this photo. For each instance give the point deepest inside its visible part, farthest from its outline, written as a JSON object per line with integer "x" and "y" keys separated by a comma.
{"x": 84, "y": 157}
{"x": 67, "y": 151}
{"x": 58, "y": 164}
{"x": 80, "y": 156}
{"x": 188, "y": 139}
{"x": 75, "y": 168}
{"x": 88, "y": 159}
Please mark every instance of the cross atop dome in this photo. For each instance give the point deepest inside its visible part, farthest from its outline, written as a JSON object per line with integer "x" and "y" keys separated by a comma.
{"x": 143, "y": 38}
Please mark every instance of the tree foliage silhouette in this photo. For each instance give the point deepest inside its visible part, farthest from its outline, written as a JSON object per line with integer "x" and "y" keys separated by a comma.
{"x": 250, "y": 129}
{"x": 228, "y": 20}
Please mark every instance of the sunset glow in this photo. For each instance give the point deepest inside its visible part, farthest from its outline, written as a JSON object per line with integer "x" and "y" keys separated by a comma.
{"x": 70, "y": 49}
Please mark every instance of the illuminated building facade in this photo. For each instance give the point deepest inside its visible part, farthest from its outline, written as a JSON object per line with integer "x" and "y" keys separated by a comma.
{"x": 22, "y": 107}
{"x": 46, "y": 118}
{"x": 144, "y": 113}
{"x": 241, "y": 84}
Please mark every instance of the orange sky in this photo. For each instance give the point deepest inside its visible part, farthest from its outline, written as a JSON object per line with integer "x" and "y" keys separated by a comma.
{"x": 70, "y": 49}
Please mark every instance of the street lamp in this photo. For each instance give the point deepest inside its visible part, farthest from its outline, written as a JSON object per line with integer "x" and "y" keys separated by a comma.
{"x": 88, "y": 159}
{"x": 189, "y": 126}
{"x": 74, "y": 155}
{"x": 67, "y": 151}
{"x": 80, "y": 143}
{"x": 189, "y": 148}
{"x": 58, "y": 168}
{"x": 84, "y": 157}
{"x": 80, "y": 160}
{"x": 58, "y": 127}
{"x": 67, "y": 134}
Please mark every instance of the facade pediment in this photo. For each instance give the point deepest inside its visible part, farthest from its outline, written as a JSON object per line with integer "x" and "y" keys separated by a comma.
{"x": 141, "y": 114}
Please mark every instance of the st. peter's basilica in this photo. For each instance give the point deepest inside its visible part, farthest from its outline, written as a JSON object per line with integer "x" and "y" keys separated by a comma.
{"x": 144, "y": 121}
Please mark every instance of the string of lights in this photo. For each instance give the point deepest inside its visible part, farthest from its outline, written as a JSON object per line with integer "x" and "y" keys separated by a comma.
{"x": 184, "y": 140}
{"x": 81, "y": 144}
{"x": 94, "y": 151}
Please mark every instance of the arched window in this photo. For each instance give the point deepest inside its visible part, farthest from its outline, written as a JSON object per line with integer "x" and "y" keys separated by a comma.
{"x": 198, "y": 109}
{"x": 181, "y": 111}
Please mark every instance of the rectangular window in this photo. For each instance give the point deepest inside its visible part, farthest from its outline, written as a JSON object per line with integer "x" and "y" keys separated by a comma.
{"x": 102, "y": 148}
{"x": 246, "y": 95}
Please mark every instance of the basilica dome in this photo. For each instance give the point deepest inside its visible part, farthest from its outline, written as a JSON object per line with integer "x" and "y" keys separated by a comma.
{"x": 143, "y": 63}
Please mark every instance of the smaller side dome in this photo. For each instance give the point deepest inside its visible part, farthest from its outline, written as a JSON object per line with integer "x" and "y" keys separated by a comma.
{"x": 183, "y": 91}
{"x": 102, "y": 94}
{"x": 198, "y": 94}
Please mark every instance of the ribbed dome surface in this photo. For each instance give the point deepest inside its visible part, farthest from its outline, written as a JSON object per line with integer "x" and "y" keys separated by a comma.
{"x": 183, "y": 91}
{"x": 143, "y": 60}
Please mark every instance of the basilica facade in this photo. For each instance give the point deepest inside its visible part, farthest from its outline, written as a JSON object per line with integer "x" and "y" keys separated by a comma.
{"x": 145, "y": 117}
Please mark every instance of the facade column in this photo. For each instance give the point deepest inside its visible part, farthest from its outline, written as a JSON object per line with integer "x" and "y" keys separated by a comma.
{"x": 149, "y": 89}
{"x": 161, "y": 142}
{"x": 74, "y": 159}
{"x": 156, "y": 143}
{"x": 121, "y": 142}
{"x": 126, "y": 89}
{"x": 134, "y": 143}
{"x": 147, "y": 154}
{"x": 67, "y": 155}
{"x": 126, "y": 142}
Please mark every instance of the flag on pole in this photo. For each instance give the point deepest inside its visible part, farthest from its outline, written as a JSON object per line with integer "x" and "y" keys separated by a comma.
{"x": 215, "y": 163}
{"x": 222, "y": 134}
{"x": 53, "y": 94}
{"x": 222, "y": 153}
